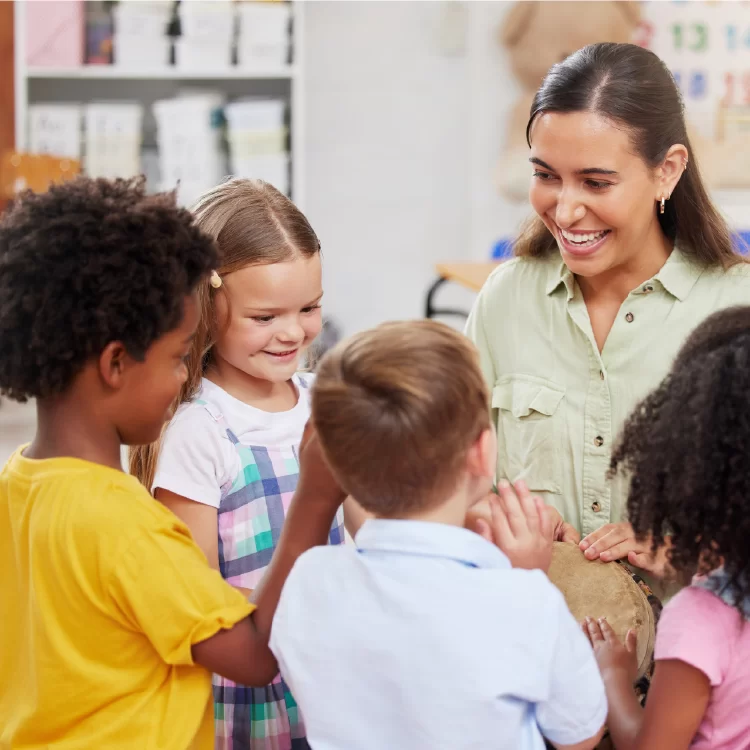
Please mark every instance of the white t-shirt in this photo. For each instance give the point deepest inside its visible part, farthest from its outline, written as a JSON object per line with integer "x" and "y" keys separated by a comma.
{"x": 425, "y": 637}
{"x": 198, "y": 461}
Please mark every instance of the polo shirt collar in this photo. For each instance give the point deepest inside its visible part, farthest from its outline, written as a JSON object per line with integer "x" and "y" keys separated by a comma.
{"x": 428, "y": 539}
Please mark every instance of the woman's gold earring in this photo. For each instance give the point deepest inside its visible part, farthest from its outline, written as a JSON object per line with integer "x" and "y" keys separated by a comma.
{"x": 661, "y": 206}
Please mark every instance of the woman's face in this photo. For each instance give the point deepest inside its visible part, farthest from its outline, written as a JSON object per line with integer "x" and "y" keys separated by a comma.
{"x": 594, "y": 194}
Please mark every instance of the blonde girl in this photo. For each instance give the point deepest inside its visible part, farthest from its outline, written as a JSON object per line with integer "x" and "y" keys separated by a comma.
{"x": 227, "y": 463}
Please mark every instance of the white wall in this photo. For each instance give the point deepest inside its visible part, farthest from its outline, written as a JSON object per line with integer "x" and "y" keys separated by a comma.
{"x": 390, "y": 187}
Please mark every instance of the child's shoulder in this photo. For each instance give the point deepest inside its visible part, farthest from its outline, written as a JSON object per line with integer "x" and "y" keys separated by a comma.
{"x": 201, "y": 418}
{"x": 91, "y": 501}
{"x": 123, "y": 503}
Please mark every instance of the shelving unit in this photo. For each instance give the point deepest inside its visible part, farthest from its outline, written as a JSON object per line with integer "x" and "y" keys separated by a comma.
{"x": 115, "y": 72}
{"x": 115, "y": 83}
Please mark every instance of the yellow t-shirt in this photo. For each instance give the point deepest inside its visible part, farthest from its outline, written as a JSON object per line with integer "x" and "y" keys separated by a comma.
{"x": 102, "y": 594}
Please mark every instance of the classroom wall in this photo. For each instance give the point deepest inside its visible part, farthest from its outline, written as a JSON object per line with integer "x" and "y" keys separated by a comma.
{"x": 388, "y": 178}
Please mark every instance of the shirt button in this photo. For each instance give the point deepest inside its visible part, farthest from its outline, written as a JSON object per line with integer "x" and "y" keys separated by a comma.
{"x": 629, "y": 317}
{"x": 648, "y": 288}
{"x": 595, "y": 506}
{"x": 598, "y": 441}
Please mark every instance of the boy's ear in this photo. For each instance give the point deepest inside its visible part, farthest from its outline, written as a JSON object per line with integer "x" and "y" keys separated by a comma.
{"x": 113, "y": 362}
{"x": 481, "y": 458}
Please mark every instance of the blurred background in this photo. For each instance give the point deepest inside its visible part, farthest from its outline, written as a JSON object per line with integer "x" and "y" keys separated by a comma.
{"x": 397, "y": 127}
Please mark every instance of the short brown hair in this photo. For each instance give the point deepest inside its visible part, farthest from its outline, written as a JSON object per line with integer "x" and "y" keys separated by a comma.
{"x": 396, "y": 409}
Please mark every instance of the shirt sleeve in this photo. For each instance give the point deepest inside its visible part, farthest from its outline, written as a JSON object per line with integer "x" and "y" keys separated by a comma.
{"x": 576, "y": 705}
{"x": 193, "y": 459}
{"x": 696, "y": 628}
{"x": 163, "y": 587}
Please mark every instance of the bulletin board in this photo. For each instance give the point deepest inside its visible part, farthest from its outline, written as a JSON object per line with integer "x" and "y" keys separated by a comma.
{"x": 706, "y": 45}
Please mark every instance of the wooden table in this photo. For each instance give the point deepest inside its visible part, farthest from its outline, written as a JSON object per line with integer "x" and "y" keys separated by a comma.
{"x": 469, "y": 275}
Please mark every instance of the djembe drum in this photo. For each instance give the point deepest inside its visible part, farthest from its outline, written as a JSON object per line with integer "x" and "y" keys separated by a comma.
{"x": 610, "y": 590}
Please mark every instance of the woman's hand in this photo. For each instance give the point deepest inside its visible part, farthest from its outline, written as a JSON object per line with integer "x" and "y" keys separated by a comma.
{"x": 561, "y": 530}
{"x": 616, "y": 660}
{"x": 519, "y": 526}
{"x": 613, "y": 541}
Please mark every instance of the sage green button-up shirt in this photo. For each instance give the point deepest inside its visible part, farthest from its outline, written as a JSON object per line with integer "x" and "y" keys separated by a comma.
{"x": 558, "y": 404}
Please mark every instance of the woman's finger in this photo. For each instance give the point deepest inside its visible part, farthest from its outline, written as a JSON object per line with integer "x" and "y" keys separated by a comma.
{"x": 594, "y": 536}
{"x": 569, "y": 533}
{"x": 616, "y": 536}
{"x": 623, "y": 549}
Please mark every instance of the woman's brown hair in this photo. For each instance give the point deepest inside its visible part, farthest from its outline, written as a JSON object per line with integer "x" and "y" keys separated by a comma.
{"x": 631, "y": 86}
{"x": 253, "y": 224}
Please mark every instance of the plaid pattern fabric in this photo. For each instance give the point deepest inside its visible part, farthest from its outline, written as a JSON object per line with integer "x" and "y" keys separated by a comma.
{"x": 251, "y": 514}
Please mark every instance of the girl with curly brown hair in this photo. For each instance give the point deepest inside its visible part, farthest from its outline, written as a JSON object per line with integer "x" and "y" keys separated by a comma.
{"x": 686, "y": 453}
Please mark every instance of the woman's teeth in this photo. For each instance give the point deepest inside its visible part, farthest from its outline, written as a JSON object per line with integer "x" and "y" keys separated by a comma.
{"x": 583, "y": 239}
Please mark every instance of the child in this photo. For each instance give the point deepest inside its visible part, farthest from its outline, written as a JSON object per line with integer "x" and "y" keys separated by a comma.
{"x": 227, "y": 465}
{"x": 687, "y": 450}
{"x": 112, "y": 620}
{"x": 441, "y": 644}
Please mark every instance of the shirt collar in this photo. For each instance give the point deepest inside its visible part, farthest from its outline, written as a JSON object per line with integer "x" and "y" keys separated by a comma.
{"x": 677, "y": 276}
{"x": 427, "y": 539}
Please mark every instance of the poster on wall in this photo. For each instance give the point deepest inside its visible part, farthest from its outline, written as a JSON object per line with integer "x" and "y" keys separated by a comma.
{"x": 706, "y": 45}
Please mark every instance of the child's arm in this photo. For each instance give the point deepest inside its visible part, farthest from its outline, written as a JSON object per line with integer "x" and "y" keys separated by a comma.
{"x": 574, "y": 710}
{"x": 677, "y": 698}
{"x": 202, "y": 520}
{"x": 244, "y": 655}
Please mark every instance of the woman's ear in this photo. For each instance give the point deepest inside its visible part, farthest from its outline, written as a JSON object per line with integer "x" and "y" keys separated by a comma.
{"x": 671, "y": 170}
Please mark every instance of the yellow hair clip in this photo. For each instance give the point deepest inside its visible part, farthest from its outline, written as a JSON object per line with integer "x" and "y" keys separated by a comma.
{"x": 215, "y": 280}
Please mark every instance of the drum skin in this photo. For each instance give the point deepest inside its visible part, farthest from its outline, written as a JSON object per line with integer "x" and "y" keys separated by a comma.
{"x": 596, "y": 589}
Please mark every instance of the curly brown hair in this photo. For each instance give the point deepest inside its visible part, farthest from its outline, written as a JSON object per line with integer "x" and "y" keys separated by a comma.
{"x": 88, "y": 262}
{"x": 686, "y": 448}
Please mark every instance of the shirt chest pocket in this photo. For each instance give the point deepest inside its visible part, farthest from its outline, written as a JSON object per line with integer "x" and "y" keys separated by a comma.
{"x": 530, "y": 424}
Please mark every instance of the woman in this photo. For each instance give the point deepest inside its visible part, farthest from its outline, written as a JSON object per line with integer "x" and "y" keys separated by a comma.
{"x": 625, "y": 257}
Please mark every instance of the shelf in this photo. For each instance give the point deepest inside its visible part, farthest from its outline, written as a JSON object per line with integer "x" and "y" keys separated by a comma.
{"x": 167, "y": 73}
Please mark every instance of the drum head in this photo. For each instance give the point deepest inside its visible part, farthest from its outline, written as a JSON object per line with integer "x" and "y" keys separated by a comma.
{"x": 598, "y": 589}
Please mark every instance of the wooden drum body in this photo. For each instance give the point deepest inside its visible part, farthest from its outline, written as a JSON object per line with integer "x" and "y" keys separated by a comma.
{"x": 610, "y": 590}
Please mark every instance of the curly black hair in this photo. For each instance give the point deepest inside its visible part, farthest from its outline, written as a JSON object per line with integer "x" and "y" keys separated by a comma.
{"x": 89, "y": 262}
{"x": 686, "y": 449}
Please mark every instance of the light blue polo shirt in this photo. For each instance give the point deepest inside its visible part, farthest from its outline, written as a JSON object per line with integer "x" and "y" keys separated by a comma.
{"x": 424, "y": 637}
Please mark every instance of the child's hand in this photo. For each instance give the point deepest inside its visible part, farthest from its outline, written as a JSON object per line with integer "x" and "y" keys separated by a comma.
{"x": 316, "y": 481}
{"x": 612, "y": 656}
{"x": 520, "y": 527}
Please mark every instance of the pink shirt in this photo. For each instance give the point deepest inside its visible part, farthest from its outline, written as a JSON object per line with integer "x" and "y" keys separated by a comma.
{"x": 700, "y": 629}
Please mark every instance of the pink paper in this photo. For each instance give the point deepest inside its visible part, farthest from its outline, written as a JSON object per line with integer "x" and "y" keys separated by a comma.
{"x": 54, "y": 33}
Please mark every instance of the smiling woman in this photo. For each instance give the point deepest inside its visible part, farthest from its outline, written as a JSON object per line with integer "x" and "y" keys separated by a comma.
{"x": 625, "y": 256}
